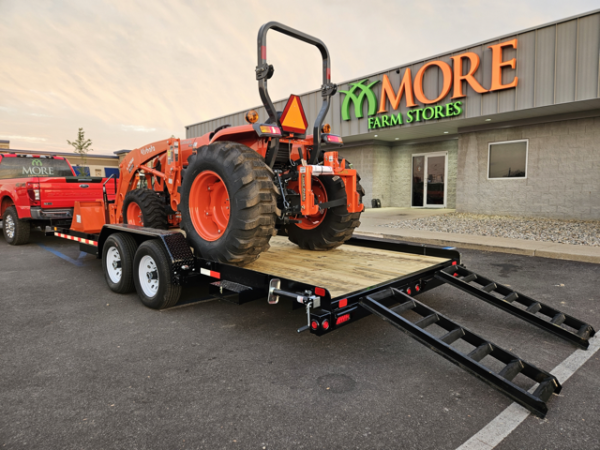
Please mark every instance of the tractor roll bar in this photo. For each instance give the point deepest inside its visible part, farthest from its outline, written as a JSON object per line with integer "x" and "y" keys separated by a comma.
{"x": 264, "y": 71}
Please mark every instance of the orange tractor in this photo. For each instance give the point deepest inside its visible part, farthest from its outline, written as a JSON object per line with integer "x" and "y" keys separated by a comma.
{"x": 235, "y": 187}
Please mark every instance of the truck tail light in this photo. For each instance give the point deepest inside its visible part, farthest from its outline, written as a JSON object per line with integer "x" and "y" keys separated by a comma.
{"x": 33, "y": 191}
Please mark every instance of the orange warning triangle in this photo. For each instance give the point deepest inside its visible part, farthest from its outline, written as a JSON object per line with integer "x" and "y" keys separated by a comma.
{"x": 293, "y": 119}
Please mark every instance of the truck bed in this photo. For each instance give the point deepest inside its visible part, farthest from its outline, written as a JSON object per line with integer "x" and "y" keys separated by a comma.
{"x": 342, "y": 270}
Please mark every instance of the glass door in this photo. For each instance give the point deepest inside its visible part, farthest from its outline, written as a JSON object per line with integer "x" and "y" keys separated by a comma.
{"x": 429, "y": 180}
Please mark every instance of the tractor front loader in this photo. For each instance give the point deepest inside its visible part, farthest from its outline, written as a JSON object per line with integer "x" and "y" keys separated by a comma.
{"x": 232, "y": 189}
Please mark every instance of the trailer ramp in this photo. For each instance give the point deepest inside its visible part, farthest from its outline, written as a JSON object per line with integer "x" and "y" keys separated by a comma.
{"x": 378, "y": 304}
{"x": 543, "y": 316}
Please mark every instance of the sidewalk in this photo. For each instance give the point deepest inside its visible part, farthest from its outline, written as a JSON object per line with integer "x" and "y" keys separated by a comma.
{"x": 371, "y": 218}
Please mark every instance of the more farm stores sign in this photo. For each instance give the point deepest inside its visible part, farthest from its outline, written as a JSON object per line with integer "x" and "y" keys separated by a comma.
{"x": 411, "y": 88}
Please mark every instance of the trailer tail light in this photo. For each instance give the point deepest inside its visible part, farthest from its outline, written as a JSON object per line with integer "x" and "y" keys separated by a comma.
{"x": 343, "y": 303}
{"x": 33, "y": 191}
{"x": 409, "y": 291}
{"x": 314, "y": 324}
{"x": 342, "y": 319}
{"x": 417, "y": 288}
{"x": 325, "y": 324}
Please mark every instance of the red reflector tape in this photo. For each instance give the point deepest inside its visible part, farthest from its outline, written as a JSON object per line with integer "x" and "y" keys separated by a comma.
{"x": 320, "y": 292}
{"x": 76, "y": 239}
{"x": 210, "y": 273}
{"x": 342, "y": 319}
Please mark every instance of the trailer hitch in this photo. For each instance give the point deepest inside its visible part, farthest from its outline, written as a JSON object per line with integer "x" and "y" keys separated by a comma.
{"x": 308, "y": 299}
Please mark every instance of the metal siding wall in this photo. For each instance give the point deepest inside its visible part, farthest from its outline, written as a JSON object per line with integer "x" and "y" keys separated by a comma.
{"x": 566, "y": 62}
{"x": 525, "y": 94}
{"x": 588, "y": 49}
{"x": 545, "y": 66}
{"x": 555, "y": 64}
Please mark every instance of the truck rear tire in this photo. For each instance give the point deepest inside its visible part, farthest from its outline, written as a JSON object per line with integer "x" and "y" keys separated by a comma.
{"x": 334, "y": 227}
{"x": 145, "y": 208}
{"x": 152, "y": 276}
{"x": 228, "y": 203}
{"x": 117, "y": 262}
{"x": 16, "y": 231}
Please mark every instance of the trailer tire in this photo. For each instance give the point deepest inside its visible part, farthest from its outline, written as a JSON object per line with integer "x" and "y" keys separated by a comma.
{"x": 118, "y": 252}
{"x": 16, "y": 231}
{"x": 152, "y": 276}
{"x": 144, "y": 207}
{"x": 228, "y": 203}
{"x": 336, "y": 226}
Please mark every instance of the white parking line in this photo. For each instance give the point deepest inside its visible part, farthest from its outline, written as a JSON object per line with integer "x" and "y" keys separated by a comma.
{"x": 509, "y": 419}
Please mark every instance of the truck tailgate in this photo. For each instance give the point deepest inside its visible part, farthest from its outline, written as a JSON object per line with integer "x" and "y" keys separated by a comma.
{"x": 64, "y": 192}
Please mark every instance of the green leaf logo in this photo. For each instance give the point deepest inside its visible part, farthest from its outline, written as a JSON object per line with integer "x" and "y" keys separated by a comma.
{"x": 36, "y": 162}
{"x": 365, "y": 92}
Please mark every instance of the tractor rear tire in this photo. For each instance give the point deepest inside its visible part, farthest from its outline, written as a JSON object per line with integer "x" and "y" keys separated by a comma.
{"x": 16, "y": 231}
{"x": 145, "y": 208}
{"x": 336, "y": 226}
{"x": 228, "y": 203}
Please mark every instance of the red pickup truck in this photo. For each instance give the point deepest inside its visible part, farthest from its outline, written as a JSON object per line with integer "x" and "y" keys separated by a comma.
{"x": 41, "y": 190}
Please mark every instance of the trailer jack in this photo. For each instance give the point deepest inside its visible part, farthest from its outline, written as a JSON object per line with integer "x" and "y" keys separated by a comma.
{"x": 308, "y": 299}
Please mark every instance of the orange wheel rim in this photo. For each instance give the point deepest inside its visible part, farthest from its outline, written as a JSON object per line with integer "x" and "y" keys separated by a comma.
{"x": 209, "y": 205}
{"x": 134, "y": 214}
{"x": 312, "y": 222}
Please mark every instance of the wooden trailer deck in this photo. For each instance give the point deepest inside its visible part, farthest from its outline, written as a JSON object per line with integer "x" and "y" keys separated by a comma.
{"x": 342, "y": 270}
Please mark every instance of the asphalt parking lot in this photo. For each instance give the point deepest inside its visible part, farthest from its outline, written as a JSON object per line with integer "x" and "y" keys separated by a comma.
{"x": 85, "y": 368}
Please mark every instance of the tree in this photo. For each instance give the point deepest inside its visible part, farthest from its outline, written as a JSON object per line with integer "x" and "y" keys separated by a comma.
{"x": 81, "y": 146}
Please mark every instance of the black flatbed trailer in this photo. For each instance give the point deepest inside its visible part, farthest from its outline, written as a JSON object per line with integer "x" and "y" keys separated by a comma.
{"x": 336, "y": 288}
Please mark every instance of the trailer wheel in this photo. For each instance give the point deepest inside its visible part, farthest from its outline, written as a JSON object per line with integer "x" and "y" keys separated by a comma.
{"x": 152, "y": 276}
{"x": 16, "y": 231}
{"x": 144, "y": 207}
{"x": 228, "y": 203}
{"x": 117, "y": 262}
{"x": 333, "y": 226}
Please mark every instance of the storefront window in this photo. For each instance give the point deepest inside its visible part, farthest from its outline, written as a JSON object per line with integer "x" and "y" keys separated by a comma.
{"x": 508, "y": 159}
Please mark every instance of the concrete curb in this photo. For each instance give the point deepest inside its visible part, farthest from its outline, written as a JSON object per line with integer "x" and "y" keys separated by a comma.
{"x": 502, "y": 245}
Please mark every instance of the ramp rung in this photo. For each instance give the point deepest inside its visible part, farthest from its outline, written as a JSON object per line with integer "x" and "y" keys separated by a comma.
{"x": 558, "y": 319}
{"x": 545, "y": 390}
{"x": 469, "y": 278}
{"x": 426, "y": 321}
{"x": 511, "y": 297}
{"x": 585, "y": 331}
{"x": 404, "y": 307}
{"x": 534, "y": 307}
{"x": 481, "y": 352}
{"x": 511, "y": 370}
{"x": 452, "y": 336}
{"x": 490, "y": 287}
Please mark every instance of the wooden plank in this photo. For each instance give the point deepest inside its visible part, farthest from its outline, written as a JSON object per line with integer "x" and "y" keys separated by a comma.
{"x": 342, "y": 270}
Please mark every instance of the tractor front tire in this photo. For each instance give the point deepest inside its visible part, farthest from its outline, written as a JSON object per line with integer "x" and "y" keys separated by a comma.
{"x": 145, "y": 208}
{"x": 16, "y": 231}
{"x": 228, "y": 203}
{"x": 336, "y": 225}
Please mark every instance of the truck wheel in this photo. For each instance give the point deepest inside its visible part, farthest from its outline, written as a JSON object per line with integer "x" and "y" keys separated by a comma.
{"x": 152, "y": 276}
{"x": 333, "y": 226}
{"x": 228, "y": 203}
{"x": 117, "y": 262}
{"x": 16, "y": 231}
{"x": 144, "y": 207}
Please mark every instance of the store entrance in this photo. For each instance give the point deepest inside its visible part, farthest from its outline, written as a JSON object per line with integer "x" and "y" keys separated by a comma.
{"x": 429, "y": 174}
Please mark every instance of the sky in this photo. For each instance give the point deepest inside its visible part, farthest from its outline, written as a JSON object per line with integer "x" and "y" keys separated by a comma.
{"x": 134, "y": 72}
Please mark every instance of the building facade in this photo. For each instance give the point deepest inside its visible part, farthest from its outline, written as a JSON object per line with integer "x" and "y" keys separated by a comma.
{"x": 507, "y": 126}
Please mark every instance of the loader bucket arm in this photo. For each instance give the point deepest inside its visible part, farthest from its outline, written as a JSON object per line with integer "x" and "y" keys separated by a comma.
{"x": 264, "y": 71}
